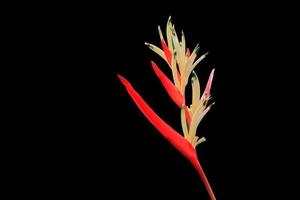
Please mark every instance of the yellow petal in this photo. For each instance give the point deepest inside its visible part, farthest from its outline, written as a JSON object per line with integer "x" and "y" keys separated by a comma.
{"x": 195, "y": 88}
{"x": 197, "y": 117}
{"x": 160, "y": 34}
{"x": 183, "y": 44}
{"x": 177, "y": 48}
{"x": 188, "y": 65}
{"x": 184, "y": 123}
{"x": 174, "y": 72}
{"x": 190, "y": 68}
{"x": 157, "y": 50}
{"x": 169, "y": 34}
{"x": 200, "y": 141}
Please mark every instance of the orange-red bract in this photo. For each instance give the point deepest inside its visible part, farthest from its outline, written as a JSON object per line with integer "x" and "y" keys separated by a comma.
{"x": 177, "y": 140}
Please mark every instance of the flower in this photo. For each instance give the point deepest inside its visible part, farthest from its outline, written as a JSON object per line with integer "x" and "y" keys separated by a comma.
{"x": 182, "y": 64}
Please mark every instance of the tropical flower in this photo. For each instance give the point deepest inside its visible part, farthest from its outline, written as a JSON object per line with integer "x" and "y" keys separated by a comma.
{"x": 182, "y": 64}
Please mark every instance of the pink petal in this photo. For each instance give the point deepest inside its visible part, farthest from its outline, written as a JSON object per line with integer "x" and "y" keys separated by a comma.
{"x": 208, "y": 84}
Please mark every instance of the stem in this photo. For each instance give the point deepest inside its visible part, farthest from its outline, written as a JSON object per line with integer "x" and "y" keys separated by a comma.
{"x": 200, "y": 171}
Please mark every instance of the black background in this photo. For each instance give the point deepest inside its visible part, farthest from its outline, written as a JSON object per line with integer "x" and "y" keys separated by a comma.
{"x": 101, "y": 144}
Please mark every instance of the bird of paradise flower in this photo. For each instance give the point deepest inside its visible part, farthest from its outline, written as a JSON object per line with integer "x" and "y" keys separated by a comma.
{"x": 182, "y": 63}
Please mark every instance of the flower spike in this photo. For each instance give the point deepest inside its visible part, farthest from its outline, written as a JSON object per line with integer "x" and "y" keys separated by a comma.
{"x": 182, "y": 63}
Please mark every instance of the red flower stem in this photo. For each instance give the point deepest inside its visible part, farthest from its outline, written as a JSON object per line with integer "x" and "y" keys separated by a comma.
{"x": 200, "y": 171}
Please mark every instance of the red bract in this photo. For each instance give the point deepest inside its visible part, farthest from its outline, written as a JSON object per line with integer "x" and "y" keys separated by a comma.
{"x": 172, "y": 91}
{"x": 167, "y": 51}
{"x": 188, "y": 116}
{"x": 167, "y": 131}
{"x": 169, "y": 86}
{"x": 179, "y": 142}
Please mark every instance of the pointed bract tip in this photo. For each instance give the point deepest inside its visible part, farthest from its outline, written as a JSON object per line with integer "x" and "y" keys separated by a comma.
{"x": 146, "y": 43}
{"x": 212, "y": 71}
{"x": 169, "y": 21}
{"x": 155, "y": 68}
{"x": 152, "y": 62}
{"x": 209, "y": 107}
{"x": 211, "y": 76}
{"x": 202, "y": 139}
{"x": 160, "y": 33}
{"x": 123, "y": 80}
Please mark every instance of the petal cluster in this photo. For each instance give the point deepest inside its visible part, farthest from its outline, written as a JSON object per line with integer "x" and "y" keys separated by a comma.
{"x": 182, "y": 64}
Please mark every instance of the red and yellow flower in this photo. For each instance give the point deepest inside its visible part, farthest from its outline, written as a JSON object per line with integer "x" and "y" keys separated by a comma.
{"x": 182, "y": 64}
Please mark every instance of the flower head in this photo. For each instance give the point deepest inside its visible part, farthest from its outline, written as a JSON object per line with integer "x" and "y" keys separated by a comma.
{"x": 182, "y": 64}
